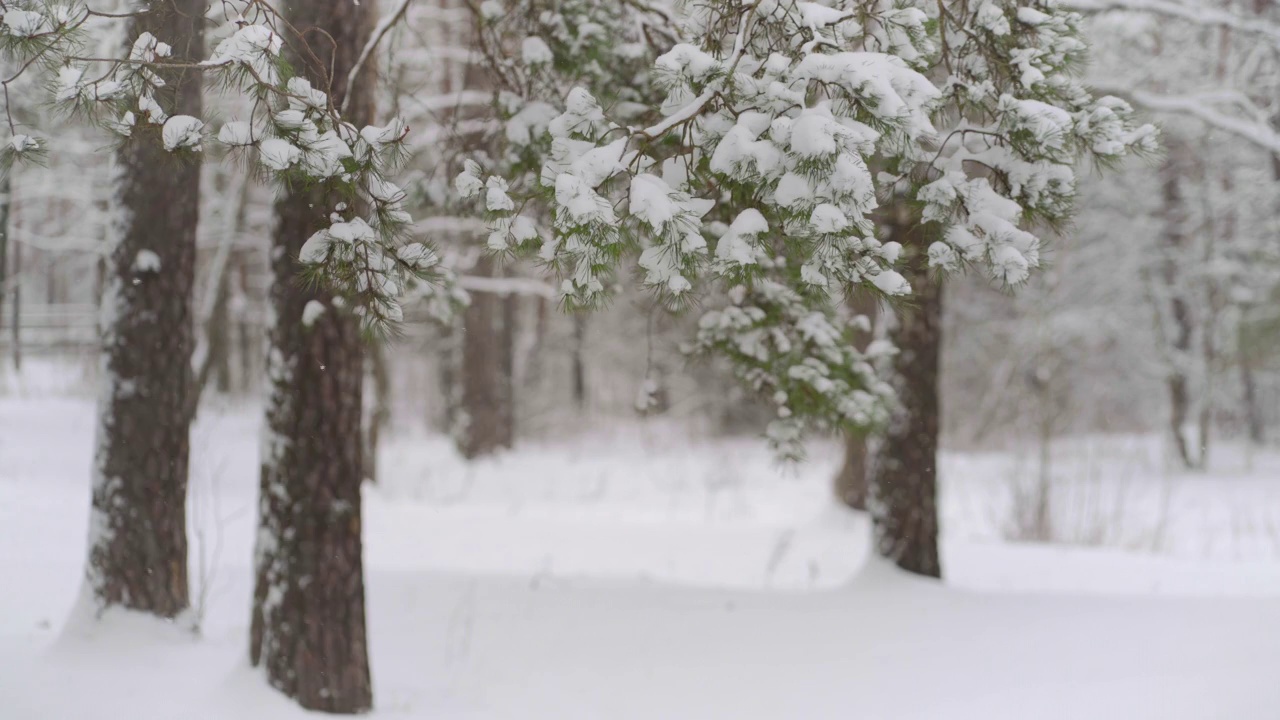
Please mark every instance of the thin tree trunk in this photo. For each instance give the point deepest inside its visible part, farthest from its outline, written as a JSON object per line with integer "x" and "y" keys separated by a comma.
{"x": 308, "y": 622}
{"x": 579, "y": 369}
{"x": 486, "y": 422}
{"x": 507, "y": 340}
{"x": 248, "y": 343}
{"x": 1252, "y": 410}
{"x": 138, "y": 538}
{"x": 6, "y": 200}
{"x": 449, "y": 356}
{"x": 851, "y": 480}
{"x": 904, "y": 476}
{"x": 15, "y": 325}
{"x": 1174, "y": 241}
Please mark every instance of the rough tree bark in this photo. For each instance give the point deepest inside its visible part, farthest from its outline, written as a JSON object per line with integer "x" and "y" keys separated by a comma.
{"x": 308, "y": 620}
{"x": 904, "y": 472}
{"x": 138, "y": 537}
{"x": 851, "y": 481}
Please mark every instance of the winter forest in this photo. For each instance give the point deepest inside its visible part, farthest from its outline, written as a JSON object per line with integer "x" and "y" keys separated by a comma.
{"x": 653, "y": 359}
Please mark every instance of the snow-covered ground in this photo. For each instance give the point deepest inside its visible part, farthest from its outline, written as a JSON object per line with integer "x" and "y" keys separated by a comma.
{"x": 636, "y": 574}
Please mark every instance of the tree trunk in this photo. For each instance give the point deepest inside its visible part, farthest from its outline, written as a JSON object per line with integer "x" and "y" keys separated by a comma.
{"x": 6, "y": 198}
{"x": 248, "y": 343}
{"x": 904, "y": 475}
{"x": 1252, "y": 410}
{"x": 138, "y": 538}
{"x": 851, "y": 480}
{"x": 485, "y": 420}
{"x": 15, "y": 325}
{"x": 308, "y": 621}
{"x": 507, "y": 341}
{"x": 579, "y": 368}
{"x": 1173, "y": 243}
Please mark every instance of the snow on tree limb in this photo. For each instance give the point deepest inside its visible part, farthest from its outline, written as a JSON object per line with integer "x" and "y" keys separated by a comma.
{"x": 1201, "y": 107}
{"x": 384, "y": 26}
{"x": 293, "y": 130}
{"x": 1197, "y": 14}
{"x": 727, "y": 150}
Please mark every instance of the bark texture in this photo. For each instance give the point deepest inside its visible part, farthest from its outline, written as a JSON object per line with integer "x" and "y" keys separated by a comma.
{"x": 905, "y": 470}
{"x": 138, "y": 542}
{"x": 308, "y": 621}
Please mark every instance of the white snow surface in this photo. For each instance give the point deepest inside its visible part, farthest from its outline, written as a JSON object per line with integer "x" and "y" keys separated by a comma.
{"x": 637, "y": 574}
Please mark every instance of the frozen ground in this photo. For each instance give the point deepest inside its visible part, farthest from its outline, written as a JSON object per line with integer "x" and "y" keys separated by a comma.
{"x": 635, "y": 575}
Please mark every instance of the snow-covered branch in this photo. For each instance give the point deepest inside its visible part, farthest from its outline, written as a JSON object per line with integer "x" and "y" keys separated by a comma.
{"x": 1201, "y": 107}
{"x": 1198, "y": 14}
{"x": 507, "y": 286}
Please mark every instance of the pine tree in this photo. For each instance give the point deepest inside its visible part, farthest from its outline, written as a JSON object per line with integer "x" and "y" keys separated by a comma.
{"x": 138, "y": 546}
{"x": 308, "y": 624}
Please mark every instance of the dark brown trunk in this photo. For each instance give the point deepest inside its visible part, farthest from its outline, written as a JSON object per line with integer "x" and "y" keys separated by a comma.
{"x": 851, "y": 480}
{"x": 484, "y": 424}
{"x": 220, "y": 337}
{"x": 138, "y": 542}
{"x": 904, "y": 477}
{"x": 308, "y": 621}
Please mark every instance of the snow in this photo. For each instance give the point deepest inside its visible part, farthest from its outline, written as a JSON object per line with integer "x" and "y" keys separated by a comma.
{"x": 182, "y": 131}
{"x": 534, "y": 51}
{"x": 890, "y": 282}
{"x": 634, "y": 574}
{"x": 255, "y": 47}
{"x": 737, "y": 245}
{"x": 146, "y": 261}
{"x": 24, "y": 23}
{"x": 23, "y": 143}
{"x": 312, "y": 312}
{"x": 278, "y": 154}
